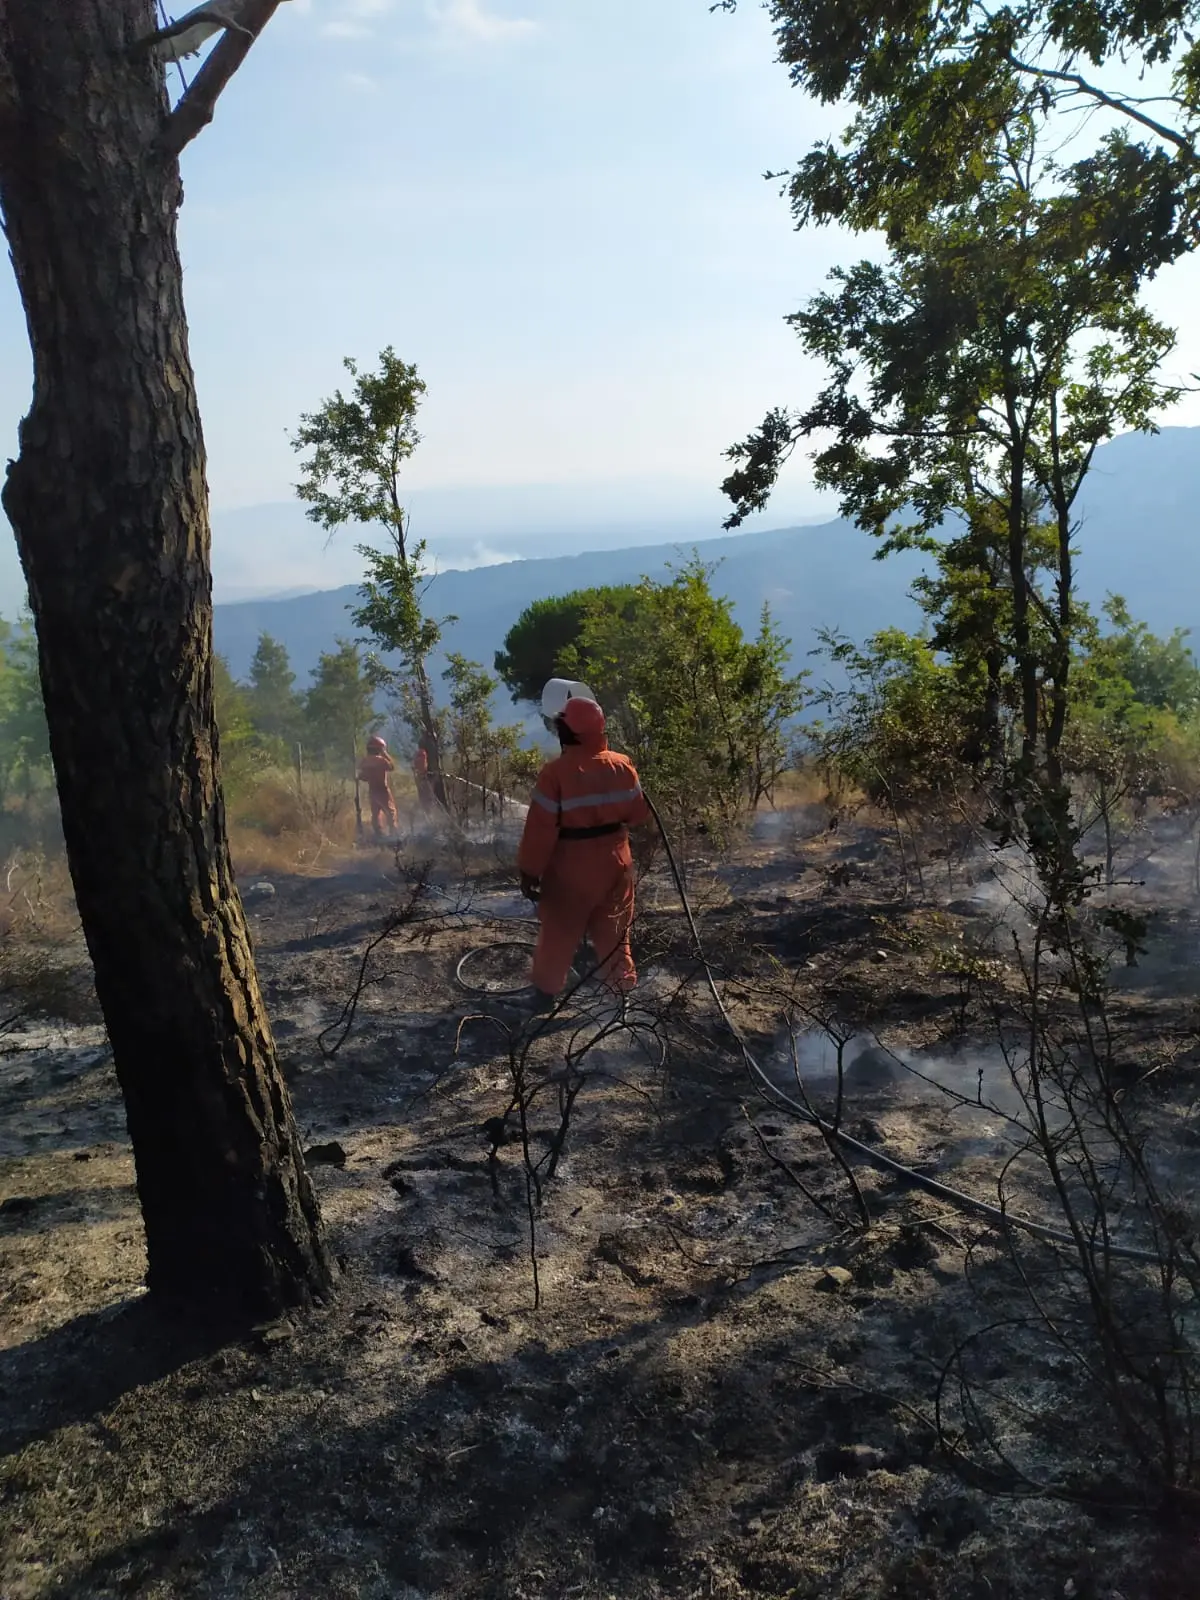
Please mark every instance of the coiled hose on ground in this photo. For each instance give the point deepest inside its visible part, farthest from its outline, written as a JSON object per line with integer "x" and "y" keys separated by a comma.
{"x": 776, "y": 1096}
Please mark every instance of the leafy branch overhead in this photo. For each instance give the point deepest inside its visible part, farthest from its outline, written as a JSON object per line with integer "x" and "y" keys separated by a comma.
{"x": 1000, "y": 323}
{"x": 957, "y": 144}
{"x": 934, "y": 91}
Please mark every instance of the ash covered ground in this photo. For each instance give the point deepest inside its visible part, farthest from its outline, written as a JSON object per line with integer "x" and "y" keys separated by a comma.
{"x": 685, "y": 1369}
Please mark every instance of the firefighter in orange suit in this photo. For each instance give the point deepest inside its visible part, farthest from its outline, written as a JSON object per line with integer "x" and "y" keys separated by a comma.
{"x": 374, "y": 770}
{"x": 424, "y": 783}
{"x": 574, "y": 859}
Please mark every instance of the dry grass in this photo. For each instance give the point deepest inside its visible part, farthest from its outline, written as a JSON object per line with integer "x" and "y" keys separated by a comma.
{"x": 44, "y": 965}
{"x": 276, "y": 825}
{"x": 282, "y": 824}
{"x": 806, "y": 785}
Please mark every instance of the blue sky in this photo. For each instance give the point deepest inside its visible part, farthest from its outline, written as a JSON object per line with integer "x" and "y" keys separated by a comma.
{"x": 555, "y": 208}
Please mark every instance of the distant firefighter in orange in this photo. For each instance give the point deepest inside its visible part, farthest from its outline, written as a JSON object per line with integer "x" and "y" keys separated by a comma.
{"x": 374, "y": 770}
{"x": 424, "y": 783}
{"x": 574, "y": 859}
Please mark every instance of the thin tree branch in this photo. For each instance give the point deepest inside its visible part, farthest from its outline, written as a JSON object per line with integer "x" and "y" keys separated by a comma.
{"x": 195, "y": 111}
{"x": 1113, "y": 102}
{"x": 1044, "y": 611}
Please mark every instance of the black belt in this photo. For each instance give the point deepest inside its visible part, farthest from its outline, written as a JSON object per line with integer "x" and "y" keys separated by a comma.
{"x": 597, "y": 832}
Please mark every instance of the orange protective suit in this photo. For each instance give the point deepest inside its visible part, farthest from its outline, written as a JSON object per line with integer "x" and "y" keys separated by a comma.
{"x": 373, "y": 770}
{"x": 420, "y": 767}
{"x": 586, "y": 882}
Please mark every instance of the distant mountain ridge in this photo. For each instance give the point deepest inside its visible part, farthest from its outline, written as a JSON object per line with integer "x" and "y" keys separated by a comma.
{"x": 1138, "y": 538}
{"x": 807, "y": 575}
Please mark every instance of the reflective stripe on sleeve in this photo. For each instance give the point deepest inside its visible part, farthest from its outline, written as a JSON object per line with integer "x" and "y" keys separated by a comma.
{"x": 610, "y": 797}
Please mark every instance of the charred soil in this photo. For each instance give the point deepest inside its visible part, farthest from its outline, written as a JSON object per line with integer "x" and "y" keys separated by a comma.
{"x": 723, "y": 1390}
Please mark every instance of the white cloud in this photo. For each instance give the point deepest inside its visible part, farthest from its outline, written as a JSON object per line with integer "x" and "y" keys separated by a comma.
{"x": 354, "y": 19}
{"x": 455, "y": 22}
{"x": 469, "y": 22}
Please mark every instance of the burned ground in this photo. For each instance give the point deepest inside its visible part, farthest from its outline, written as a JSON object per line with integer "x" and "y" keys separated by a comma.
{"x": 724, "y": 1389}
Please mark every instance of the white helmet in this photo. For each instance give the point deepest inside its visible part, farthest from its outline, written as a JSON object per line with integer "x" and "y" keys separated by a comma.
{"x": 556, "y": 694}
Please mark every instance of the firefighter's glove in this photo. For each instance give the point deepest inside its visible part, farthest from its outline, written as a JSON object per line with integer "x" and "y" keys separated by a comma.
{"x": 531, "y": 888}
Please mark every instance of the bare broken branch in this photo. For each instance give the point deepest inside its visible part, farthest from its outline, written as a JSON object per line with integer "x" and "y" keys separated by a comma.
{"x": 197, "y": 107}
{"x": 188, "y": 33}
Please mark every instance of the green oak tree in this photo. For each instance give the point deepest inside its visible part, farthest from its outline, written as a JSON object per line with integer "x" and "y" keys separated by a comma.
{"x": 488, "y": 759}
{"x": 901, "y": 731}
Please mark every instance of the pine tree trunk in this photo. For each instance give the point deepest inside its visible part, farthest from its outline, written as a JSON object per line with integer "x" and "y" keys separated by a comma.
{"x": 109, "y": 503}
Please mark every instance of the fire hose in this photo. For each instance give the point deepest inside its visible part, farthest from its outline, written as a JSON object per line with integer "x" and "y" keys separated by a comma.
{"x": 998, "y": 1215}
{"x": 492, "y": 794}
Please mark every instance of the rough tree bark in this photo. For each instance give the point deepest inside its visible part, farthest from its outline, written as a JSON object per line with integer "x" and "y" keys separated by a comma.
{"x": 109, "y": 503}
{"x": 433, "y": 745}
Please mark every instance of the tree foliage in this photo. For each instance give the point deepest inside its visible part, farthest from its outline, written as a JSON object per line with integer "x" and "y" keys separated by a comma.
{"x": 900, "y": 730}
{"x": 273, "y": 703}
{"x": 982, "y": 363}
{"x": 24, "y": 736}
{"x": 1133, "y": 730}
{"x": 245, "y": 751}
{"x": 933, "y": 93}
{"x": 704, "y": 712}
{"x": 339, "y": 706}
{"x": 357, "y": 447}
{"x": 484, "y": 759}
{"x": 904, "y": 731}
{"x": 546, "y": 637}
{"x": 1161, "y": 673}
{"x": 972, "y": 376}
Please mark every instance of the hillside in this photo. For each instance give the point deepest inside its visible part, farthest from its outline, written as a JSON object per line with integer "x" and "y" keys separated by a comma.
{"x": 1137, "y": 539}
{"x": 811, "y": 577}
